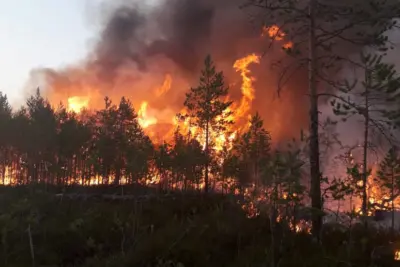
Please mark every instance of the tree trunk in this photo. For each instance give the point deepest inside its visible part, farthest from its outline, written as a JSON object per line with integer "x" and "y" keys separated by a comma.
{"x": 206, "y": 183}
{"x": 272, "y": 224}
{"x": 117, "y": 178}
{"x": 365, "y": 147}
{"x": 314, "y": 139}
{"x": 392, "y": 197}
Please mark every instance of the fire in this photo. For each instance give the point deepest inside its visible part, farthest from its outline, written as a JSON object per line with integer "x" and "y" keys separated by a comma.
{"x": 275, "y": 33}
{"x": 144, "y": 120}
{"x": 165, "y": 87}
{"x": 239, "y": 112}
{"x": 77, "y": 103}
{"x": 242, "y": 66}
{"x": 397, "y": 255}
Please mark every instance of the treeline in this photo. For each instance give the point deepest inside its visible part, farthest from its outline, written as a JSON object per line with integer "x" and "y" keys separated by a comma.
{"x": 43, "y": 144}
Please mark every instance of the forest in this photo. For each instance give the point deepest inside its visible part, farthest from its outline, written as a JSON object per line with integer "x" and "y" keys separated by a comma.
{"x": 93, "y": 187}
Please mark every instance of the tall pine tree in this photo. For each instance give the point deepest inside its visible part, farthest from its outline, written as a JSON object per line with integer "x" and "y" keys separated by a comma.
{"x": 389, "y": 177}
{"x": 375, "y": 100}
{"x": 206, "y": 108}
{"x": 318, "y": 31}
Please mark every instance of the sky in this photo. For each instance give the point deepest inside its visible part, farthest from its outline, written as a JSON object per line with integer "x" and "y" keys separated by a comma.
{"x": 40, "y": 33}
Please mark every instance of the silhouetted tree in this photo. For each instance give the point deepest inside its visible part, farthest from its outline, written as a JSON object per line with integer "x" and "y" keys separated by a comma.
{"x": 389, "y": 178}
{"x": 41, "y": 145}
{"x": 207, "y": 108}
{"x": 317, "y": 31}
{"x": 5, "y": 135}
{"x": 375, "y": 100}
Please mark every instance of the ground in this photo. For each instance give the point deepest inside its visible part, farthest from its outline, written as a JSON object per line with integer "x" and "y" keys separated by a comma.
{"x": 83, "y": 228}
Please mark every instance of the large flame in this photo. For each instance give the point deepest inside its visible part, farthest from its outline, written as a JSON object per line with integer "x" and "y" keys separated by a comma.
{"x": 144, "y": 120}
{"x": 151, "y": 118}
{"x": 77, "y": 103}
{"x": 165, "y": 87}
{"x": 242, "y": 66}
{"x": 397, "y": 255}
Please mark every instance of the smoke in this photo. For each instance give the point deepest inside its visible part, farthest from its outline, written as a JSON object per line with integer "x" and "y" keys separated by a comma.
{"x": 140, "y": 44}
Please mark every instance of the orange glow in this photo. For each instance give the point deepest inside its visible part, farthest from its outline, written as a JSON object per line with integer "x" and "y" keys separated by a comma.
{"x": 151, "y": 91}
{"x": 275, "y": 33}
{"x": 397, "y": 255}
{"x": 288, "y": 45}
{"x": 166, "y": 86}
{"x": 143, "y": 118}
{"x": 242, "y": 66}
{"x": 77, "y": 103}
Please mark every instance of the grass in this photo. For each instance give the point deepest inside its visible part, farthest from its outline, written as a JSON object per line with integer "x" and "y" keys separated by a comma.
{"x": 167, "y": 230}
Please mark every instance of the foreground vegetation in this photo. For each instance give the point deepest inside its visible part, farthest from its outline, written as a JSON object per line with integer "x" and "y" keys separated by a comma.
{"x": 42, "y": 229}
{"x": 39, "y": 144}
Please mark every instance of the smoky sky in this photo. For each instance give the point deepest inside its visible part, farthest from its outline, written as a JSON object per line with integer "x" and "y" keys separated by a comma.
{"x": 137, "y": 46}
{"x": 181, "y": 30}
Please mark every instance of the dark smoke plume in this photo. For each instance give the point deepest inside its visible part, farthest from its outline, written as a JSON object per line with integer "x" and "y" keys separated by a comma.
{"x": 138, "y": 46}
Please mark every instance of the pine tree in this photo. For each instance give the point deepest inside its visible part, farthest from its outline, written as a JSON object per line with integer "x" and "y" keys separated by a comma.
{"x": 5, "y": 134}
{"x": 73, "y": 139}
{"x": 374, "y": 100}
{"x": 389, "y": 177}
{"x": 43, "y": 137}
{"x": 318, "y": 30}
{"x": 206, "y": 108}
{"x": 163, "y": 164}
{"x": 252, "y": 150}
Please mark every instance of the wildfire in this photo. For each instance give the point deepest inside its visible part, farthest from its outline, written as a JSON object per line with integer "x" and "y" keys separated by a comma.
{"x": 242, "y": 66}
{"x": 77, "y": 103}
{"x": 239, "y": 112}
{"x": 144, "y": 120}
{"x": 165, "y": 87}
{"x": 397, "y": 255}
{"x": 275, "y": 33}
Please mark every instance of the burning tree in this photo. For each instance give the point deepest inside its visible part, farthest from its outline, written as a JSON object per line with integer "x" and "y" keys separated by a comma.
{"x": 121, "y": 143}
{"x": 389, "y": 178}
{"x": 251, "y": 153}
{"x": 5, "y": 120}
{"x": 318, "y": 31}
{"x": 375, "y": 100}
{"x": 206, "y": 108}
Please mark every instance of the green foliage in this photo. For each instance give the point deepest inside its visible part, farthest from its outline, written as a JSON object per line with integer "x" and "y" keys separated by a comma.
{"x": 205, "y": 104}
{"x": 379, "y": 92}
{"x": 177, "y": 230}
{"x": 376, "y": 100}
{"x": 41, "y": 144}
{"x": 207, "y": 108}
{"x": 389, "y": 177}
{"x": 389, "y": 171}
{"x": 250, "y": 154}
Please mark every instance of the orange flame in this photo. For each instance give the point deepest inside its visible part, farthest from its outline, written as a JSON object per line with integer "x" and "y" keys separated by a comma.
{"x": 166, "y": 86}
{"x": 242, "y": 66}
{"x": 274, "y": 32}
{"x": 143, "y": 119}
{"x": 77, "y": 103}
{"x": 397, "y": 255}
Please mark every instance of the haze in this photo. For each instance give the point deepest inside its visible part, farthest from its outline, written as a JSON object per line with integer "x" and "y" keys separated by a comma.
{"x": 39, "y": 33}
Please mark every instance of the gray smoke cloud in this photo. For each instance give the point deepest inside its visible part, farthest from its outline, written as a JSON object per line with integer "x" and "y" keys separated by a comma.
{"x": 139, "y": 44}
{"x": 184, "y": 31}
